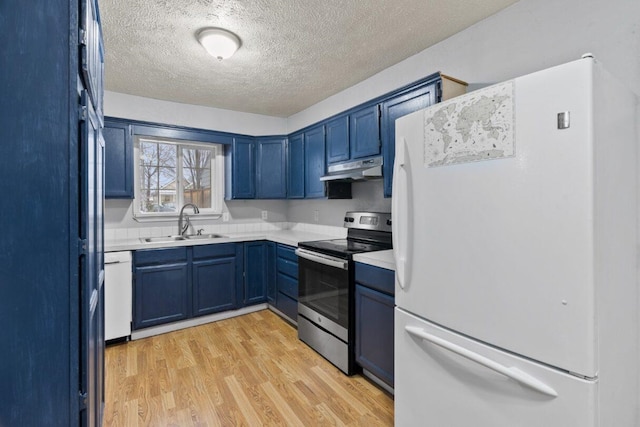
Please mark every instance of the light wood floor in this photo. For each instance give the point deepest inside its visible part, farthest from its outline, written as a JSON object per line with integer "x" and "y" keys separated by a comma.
{"x": 250, "y": 370}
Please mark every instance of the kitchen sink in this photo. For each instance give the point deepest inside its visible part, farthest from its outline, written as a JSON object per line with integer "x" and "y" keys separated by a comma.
{"x": 203, "y": 236}
{"x": 162, "y": 239}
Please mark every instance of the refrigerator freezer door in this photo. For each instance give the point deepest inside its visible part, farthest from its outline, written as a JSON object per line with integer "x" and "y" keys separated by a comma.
{"x": 452, "y": 382}
{"x": 502, "y": 250}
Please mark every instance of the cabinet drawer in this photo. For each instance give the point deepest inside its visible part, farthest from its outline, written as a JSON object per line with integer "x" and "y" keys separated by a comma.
{"x": 376, "y": 278}
{"x": 287, "y": 252}
{"x": 213, "y": 251}
{"x": 287, "y": 267}
{"x": 287, "y": 305}
{"x": 159, "y": 256}
{"x": 288, "y": 286}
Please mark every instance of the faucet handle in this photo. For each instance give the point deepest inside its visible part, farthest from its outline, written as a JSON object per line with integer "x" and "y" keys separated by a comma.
{"x": 199, "y": 232}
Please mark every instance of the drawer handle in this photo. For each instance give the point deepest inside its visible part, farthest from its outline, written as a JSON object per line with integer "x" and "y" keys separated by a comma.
{"x": 512, "y": 373}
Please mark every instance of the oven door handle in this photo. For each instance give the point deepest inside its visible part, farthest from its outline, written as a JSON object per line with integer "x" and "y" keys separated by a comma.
{"x": 323, "y": 259}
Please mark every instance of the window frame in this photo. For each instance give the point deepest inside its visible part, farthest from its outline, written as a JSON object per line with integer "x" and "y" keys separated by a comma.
{"x": 217, "y": 165}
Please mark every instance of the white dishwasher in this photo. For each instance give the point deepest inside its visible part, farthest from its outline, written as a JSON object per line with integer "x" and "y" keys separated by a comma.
{"x": 117, "y": 295}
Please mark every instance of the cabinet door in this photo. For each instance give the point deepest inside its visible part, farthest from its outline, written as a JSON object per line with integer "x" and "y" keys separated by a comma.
{"x": 255, "y": 268}
{"x": 364, "y": 132}
{"x": 295, "y": 167}
{"x": 271, "y": 177}
{"x": 118, "y": 162}
{"x": 161, "y": 294}
{"x": 214, "y": 285}
{"x": 338, "y": 140}
{"x": 243, "y": 169}
{"x": 314, "y": 162}
{"x": 374, "y": 332}
{"x": 271, "y": 273}
{"x": 393, "y": 109}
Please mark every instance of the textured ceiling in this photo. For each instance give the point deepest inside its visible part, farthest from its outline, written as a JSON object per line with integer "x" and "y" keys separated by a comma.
{"x": 294, "y": 53}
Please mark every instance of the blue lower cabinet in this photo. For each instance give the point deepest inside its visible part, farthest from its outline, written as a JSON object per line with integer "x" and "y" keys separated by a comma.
{"x": 255, "y": 272}
{"x": 287, "y": 281}
{"x": 272, "y": 289}
{"x": 374, "y": 324}
{"x": 216, "y": 273}
{"x": 161, "y": 294}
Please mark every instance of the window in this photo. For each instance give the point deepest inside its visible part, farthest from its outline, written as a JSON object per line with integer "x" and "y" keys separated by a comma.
{"x": 170, "y": 173}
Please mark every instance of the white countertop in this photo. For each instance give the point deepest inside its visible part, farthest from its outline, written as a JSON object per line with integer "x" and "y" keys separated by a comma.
{"x": 287, "y": 237}
{"x": 382, "y": 259}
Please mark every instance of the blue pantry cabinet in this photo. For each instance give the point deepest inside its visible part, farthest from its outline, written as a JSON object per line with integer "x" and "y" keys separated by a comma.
{"x": 52, "y": 183}
{"x": 375, "y": 288}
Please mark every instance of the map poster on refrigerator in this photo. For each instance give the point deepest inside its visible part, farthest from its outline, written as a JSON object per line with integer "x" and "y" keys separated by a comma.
{"x": 473, "y": 127}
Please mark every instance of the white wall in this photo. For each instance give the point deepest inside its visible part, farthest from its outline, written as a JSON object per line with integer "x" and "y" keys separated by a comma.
{"x": 196, "y": 116}
{"x": 528, "y": 36}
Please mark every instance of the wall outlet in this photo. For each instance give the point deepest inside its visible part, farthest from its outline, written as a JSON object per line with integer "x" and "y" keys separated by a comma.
{"x": 265, "y": 215}
{"x": 316, "y": 215}
{"x": 225, "y": 216}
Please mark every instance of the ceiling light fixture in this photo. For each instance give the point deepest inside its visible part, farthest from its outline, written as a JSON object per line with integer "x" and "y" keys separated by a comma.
{"x": 220, "y": 44}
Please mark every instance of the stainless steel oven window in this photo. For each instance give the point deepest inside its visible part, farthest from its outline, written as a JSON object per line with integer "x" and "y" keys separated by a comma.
{"x": 325, "y": 289}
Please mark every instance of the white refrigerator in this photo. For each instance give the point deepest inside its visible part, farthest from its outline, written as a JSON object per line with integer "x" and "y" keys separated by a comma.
{"x": 514, "y": 226}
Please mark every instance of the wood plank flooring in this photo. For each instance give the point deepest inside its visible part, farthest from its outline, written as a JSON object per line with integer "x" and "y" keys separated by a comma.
{"x": 247, "y": 371}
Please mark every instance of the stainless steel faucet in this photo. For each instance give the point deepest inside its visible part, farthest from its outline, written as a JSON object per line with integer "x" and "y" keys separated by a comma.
{"x": 183, "y": 227}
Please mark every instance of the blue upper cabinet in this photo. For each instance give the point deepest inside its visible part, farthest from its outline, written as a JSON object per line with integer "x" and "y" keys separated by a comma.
{"x": 242, "y": 177}
{"x": 337, "y": 140}
{"x": 314, "y": 162}
{"x": 392, "y": 109}
{"x": 118, "y": 162}
{"x": 364, "y": 132}
{"x": 271, "y": 168}
{"x": 295, "y": 167}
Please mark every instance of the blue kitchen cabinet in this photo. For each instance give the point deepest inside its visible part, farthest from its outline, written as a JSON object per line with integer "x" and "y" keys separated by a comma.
{"x": 287, "y": 281}
{"x": 241, "y": 180}
{"x": 337, "y": 139}
{"x": 216, "y": 277}
{"x": 118, "y": 162}
{"x": 364, "y": 132}
{"x": 314, "y": 162}
{"x": 374, "y": 296}
{"x": 271, "y": 168}
{"x": 161, "y": 292}
{"x": 271, "y": 273}
{"x": 400, "y": 105}
{"x": 295, "y": 166}
{"x": 255, "y": 269}
{"x": 51, "y": 132}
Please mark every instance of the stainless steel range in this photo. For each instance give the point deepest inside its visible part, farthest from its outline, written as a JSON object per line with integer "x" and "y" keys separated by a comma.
{"x": 326, "y": 285}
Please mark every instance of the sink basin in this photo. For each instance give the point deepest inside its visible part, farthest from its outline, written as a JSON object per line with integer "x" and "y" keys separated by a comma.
{"x": 203, "y": 236}
{"x": 161, "y": 239}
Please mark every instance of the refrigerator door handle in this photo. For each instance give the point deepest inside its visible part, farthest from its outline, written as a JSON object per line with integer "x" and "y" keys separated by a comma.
{"x": 512, "y": 373}
{"x": 400, "y": 211}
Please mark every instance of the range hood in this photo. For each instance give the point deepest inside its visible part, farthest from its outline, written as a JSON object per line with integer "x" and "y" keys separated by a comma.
{"x": 354, "y": 171}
